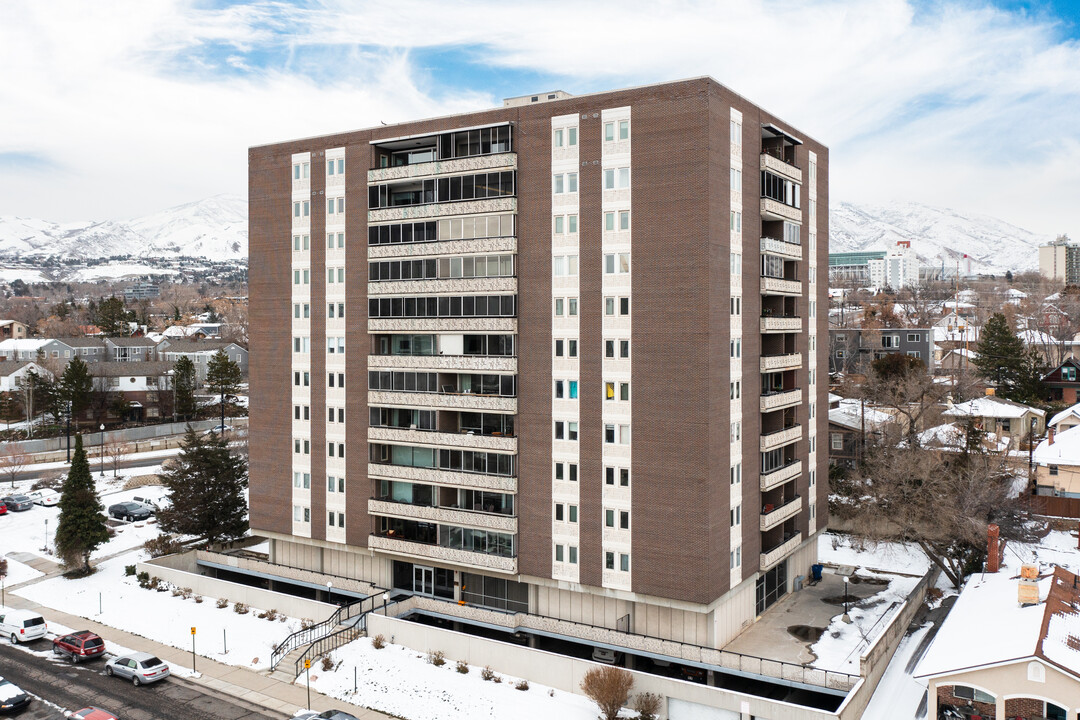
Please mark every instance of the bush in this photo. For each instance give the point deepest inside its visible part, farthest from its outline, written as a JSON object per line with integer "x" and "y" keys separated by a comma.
{"x": 143, "y": 578}
{"x": 157, "y": 584}
{"x": 462, "y": 667}
{"x": 305, "y": 623}
{"x": 522, "y": 685}
{"x": 327, "y": 664}
{"x": 129, "y": 570}
{"x": 162, "y": 545}
{"x": 186, "y": 593}
{"x": 176, "y": 592}
{"x": 436, "y": 658}
{"x": 647, "y": 705}
{"x": 240, "y": 608}
{"x": 197, "y": 598}
{"x": 609, "y": 688}
{"x": 222, "y": 603}
{"x": 378, "y": 642}
{"x": 487, "y": 673}
{"x": 496, "y": 679}
{"x": 271, "y": 615}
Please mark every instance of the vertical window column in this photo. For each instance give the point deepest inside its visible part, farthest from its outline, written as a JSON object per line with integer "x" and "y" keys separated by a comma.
{"x": 735, "y": 413}
{"x": 333, "y": 346}
{"x": 301, "y": 279}
{"x": 812, "y": 326}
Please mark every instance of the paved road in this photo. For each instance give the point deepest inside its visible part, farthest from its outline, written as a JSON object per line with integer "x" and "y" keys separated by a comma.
{"x": 75, "y": 686}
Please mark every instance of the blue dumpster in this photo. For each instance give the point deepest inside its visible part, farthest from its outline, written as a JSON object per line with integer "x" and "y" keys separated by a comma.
{"x": 815, "y": 572}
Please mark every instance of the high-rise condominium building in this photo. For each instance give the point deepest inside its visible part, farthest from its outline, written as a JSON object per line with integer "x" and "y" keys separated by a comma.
{"x": 559, "y": 357}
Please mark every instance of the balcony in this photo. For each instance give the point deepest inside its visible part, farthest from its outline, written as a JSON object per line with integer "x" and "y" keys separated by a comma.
{"x": 445, "y": 516}
{"x": 464, "y": 363}
{"x": 780, "y": 286}
{"x": 781, "y": 551}
{"x": 770, "y": 518}
{"x": 781, "y": 400}
{"x": 446, "y": 478}
{"x": 779, "y": 363}
{"x": 502, "y": 161}
{"x": 445, "y": 401}
{"x": 452, "y": 325}
{"x": 773, "y": 440}
{"x": 430, "y": 438}
{"x": 438, "y": 553}
{"x": 487, "y": 206}
{"x": 773, "y": 163}
{"x": 774, "y": 210}
{"x": 786, "y": 250}
{"x": 770, "y": 324}
{"x": 780, "y": 475}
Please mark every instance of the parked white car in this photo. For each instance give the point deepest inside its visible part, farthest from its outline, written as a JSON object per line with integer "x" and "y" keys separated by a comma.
{"x": 45, "y": 497}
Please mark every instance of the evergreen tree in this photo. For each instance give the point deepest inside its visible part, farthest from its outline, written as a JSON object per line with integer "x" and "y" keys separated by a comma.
{"x": 81, "y": 528}
{"x": 184, "y": 382}
{"x": 206, "y": 485}
{"x": 1004, "y": 361}
{"x": 76, "y": 385}
{"x": 112, "y": 317}
{"x": 222, "y": 376}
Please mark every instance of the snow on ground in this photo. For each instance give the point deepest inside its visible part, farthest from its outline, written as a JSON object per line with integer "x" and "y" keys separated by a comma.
{"x": 837, "y": 549}
{"x": 162, "y": 617}
{"x": 399, "y": 681}
{"x": 114, "y": 271}
{"x": 18, "y": 572}
{"x": 898, "y": 694}
{"x": 8, "y": 275}
{"x": 842, "y": 643}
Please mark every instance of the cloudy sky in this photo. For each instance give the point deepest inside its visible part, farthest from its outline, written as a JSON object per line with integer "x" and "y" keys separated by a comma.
{"x": 119, "y": 108}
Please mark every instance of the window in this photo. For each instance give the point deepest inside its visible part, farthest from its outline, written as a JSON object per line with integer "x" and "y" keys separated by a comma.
{"x": 914, "y": 353}
{"x": 736, "y": 221}
{"x": 609, "y": 475}
{"x": 736, "y": 516}
{"x": 572, "y": 469}
{"x": 1053, "y": 469}
{"x": 736, "y": 557}
{"x": 624, "y": 348}
{"x": 571, "y": 348}
{"x": 609, "y": 391}
{"x": 736, "y": 348}
{"x": 624, "y": 434}
{"x": 624, "y": 520}
{"x": 609, "y": 435}
{"x": 970, "y": 693}
{"x": 736, "y": 390}
{"x": 890, "y": 341}
{"x": 558, "y": 190}
{"x": 571, "y": 512}
{"x": 624, "y": 477}
{"x": 609, "y": 132}
{"x": 624, "y": 220}
{"x": 736, "y": 473}
{"x": 558, "y": 553}
{"x": 624, "y": 306}
{"x": 560, "y": 430}
{"x": 624, "y": 562}
{"x": 571, "y": 136}
{"x": 559, "y": 512}
{"x": 571, "y": 306}
{"x": 559, "y": 345}
{"x": 558, "y": 140}
{"x": 609, "y": 560}
{"x": 571, "y": 186}
{"x": 572, "y": 554}
{"x": 624, "y": 392}
{"x": 609, "y": 306}
{"x": 572, "y": 430}
{"x": 836, "y": 441}
{"x": 736, "y": 431}
{"x": 1068, "y": 373}
{"x": 609, "y": 518}
{"x": 559, "y": 302}
{"x": 560, "y": 223}
{"x": 624, "y": 129}
{"x": 609, "y": 179}
{"x": 571, "y": 223}
{"x": 609, "y": 222}
{"x": 624, "y": 177}
{"x": 559, "y": 471}
{"x": 573, "y": 389}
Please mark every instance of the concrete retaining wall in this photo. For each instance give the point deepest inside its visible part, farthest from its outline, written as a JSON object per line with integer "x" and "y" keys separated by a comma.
{"x": 177, "y": 569}
{"x": 565, "y": 673}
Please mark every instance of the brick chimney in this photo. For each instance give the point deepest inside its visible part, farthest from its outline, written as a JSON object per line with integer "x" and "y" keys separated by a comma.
{"x": 993, "y": 549}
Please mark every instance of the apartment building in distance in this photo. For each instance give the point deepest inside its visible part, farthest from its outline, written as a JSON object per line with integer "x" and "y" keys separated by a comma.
{"x": 1060, "y": 260}
{"x": 559, "y": 357}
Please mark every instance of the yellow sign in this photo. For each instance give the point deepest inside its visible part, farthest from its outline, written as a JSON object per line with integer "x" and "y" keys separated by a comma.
{"x": 307, "y": 663}
{"x": 192, "y": 631}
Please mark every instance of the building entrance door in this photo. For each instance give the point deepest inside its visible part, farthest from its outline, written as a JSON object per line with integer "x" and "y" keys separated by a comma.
{"x": 423, "y": 580}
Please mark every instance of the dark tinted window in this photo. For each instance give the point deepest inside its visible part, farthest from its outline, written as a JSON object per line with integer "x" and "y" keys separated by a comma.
{"x": 33, "y": 621}
{"x": 150, "y": 662}
{"x": 93, "y": 643}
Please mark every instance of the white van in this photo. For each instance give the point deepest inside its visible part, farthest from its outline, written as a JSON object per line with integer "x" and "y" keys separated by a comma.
{"x": 21, "y": 625}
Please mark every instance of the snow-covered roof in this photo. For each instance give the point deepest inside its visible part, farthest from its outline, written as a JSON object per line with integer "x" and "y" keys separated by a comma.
{"x": 969, "y": 354}
{"x": 1014, "y": 293}
{"x": 1064, "y": 451}
{"x": 947, "y": 435}
{"x": 987, "y": 625}
{"x": 1073, "y": 412}
{"x": 24, "y": 344}
{"x": 852, "y": 414}
{"x": 992, "y": 406}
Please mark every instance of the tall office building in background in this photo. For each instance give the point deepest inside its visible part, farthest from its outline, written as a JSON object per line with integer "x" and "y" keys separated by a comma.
{"x": 559, "y": 357}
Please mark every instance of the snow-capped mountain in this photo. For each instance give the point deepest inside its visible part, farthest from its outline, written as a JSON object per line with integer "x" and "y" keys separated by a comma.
{"x": 215, "y": 229}
{"x": 939, "y": 236}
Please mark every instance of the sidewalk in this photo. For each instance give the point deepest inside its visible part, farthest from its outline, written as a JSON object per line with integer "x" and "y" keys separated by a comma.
{"x": 254, "y": 687}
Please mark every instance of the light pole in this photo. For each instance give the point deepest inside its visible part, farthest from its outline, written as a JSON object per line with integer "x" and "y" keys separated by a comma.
{"x": 69, "y": 432}
{"x": 46, "y": 548}
{"x": 385, "y": 603}
{"x": 846, "y": 618}
{"x": 101, "y": 450}
{"x": 329, "y": 587}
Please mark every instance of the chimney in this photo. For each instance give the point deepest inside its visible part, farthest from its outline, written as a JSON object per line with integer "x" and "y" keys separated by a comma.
{"x": 991, "y": 391}
{"x": 993, "y": 553}
{"x": 1050, "y": 436}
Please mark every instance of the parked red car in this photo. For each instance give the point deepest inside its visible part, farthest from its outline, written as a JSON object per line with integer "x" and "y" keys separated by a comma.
{"x": 93, "y": 713}
{"x": 3, "y": 509}
{"x": 83, "y": 645}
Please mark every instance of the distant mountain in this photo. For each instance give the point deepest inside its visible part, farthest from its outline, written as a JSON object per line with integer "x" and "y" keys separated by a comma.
{"x": 215, "y": 229}
{"x": 938, "y": 235}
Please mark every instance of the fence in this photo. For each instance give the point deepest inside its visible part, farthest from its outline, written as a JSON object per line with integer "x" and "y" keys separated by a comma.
{"x": 93, "y": 438}
{"x": 1053, "y": 506}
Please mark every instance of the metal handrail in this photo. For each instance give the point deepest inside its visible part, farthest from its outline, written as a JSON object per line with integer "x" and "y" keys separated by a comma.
{"x": 336, "y": 639}
{"x": 312, "y": 632}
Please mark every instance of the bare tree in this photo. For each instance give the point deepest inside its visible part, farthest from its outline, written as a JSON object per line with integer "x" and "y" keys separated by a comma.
{"x": 608, "y": 687}
{"x": 116, "y": 452}
{"x": 13, "y": 459}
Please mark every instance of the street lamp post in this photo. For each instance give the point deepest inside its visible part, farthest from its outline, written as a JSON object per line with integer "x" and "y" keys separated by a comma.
{"x": 846, "y": 618}
{"x": 329, "y": 588}
{"x": 69, "y": 432}
{"x": 101, "y": 450}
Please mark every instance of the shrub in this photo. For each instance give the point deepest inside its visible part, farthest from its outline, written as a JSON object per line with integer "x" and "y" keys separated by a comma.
{"x": 647, "y": 705}
{"x": 462, "y": 667}
{"x": 222, "y": 603}
{"x": 327, "y": 664}
{"x": 143, "y": 578}
{"x": 522, "y": 685}
{"x": 496, "y": 679}
{"x": 608, "y": 687}
{"x": 378, "y": 642}
{"x": 176, "y": 592}
{"x": 271, "y": 615}
{"x": 436, "y": 658}
{"x": 129, "y": 570}
{"x": 551, "y": 692}
{"x": 197, "y": 598}
{"x": 305, "y": 623}
{"x": 240, "y": 608}
{"x": 162, "y": 545}
{"x": 487, "y": 673}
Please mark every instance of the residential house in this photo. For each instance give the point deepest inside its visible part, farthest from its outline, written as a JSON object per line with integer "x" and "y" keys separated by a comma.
{"x": 956, "y": 328}
{"x": 130, "y": 349}
{"x": 88, "y": 349}
{"x": 1008, "y": 420}
{"x": 1062, "y": 382}
{"x": 851, "y": 350}
{"x": 852, "y": 425}
{"x": 1064, "y": 420}
{"x": 1008, "y": 647}
{"x": 13, "y": 330}
{"x": 36, "y": 349}
{"x": 1057, "y": 463}
{"x": 957, "y": 360}
{"x": 146, "y": 385}
{"x": 200, "y": 351}
{"x": 13, "y": 374}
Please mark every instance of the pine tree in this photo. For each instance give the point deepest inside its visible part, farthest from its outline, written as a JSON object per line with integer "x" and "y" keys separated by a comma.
{"x": 206, "y": 485}
{"x": 75, "y": 386}
{"x": 1002, "y": 358}
{"x": 223, "y": 377}
{"x": 184, "y": 380}
{"x": 81, "y": 528}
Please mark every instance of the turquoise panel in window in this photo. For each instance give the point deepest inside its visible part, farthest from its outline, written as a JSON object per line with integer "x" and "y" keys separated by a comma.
{"x": 573, "y": 389}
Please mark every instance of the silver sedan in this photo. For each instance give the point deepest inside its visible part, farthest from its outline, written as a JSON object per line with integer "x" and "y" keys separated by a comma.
{"x": 140, "y": 668}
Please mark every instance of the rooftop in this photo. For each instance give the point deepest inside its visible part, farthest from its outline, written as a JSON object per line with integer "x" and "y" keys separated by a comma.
{"x": 856, "y": 415}
{"x": 992, "y": 406}
{"x": 1065, "y": 449}
{"x": 1073, "y": 412}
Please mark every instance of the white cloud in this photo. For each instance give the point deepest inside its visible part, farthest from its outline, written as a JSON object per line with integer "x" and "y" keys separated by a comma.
{"x": 958, "y": 105}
